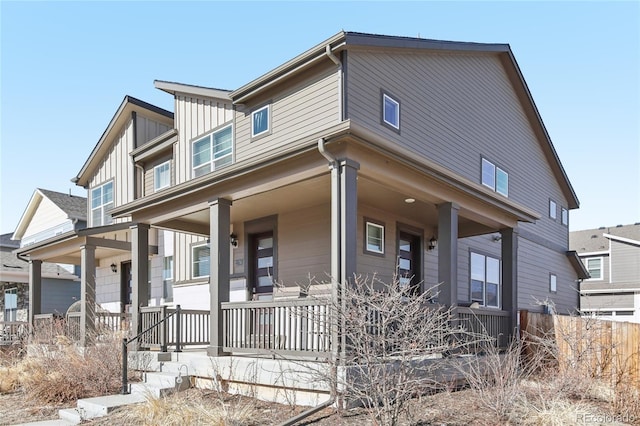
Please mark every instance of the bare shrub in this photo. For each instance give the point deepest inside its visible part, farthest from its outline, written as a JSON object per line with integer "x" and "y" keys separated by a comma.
{"x": 392, "y": 348}
{"x": 64, "y": 373}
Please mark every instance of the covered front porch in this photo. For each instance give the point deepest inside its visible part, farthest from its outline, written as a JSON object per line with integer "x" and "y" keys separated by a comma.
{"x": 280, "y": 232}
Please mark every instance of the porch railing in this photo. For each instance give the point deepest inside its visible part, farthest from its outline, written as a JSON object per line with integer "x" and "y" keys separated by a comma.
{"x": 105, "y": 322}
{"x": 484, "y": 326}
{"x": 284, "y": 327}
{"x": 174, "y": 327}
{"x": 13, "y": 331}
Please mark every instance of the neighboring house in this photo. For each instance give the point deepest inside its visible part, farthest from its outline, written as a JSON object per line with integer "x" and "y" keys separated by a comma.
{"x": 364, "y": 154}
{"x": 612, "y": 257}
{"x": 59, "y": 287}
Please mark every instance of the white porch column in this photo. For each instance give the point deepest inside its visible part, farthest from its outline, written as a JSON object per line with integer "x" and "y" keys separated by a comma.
{"x": 35, "y": 288}
{"x": 448, "y": 254}
{"x": 139, "y": 273}
{"x": 87, "y": 294}
{"x": 510, "y": 276}
{"x": 220, "y": 251}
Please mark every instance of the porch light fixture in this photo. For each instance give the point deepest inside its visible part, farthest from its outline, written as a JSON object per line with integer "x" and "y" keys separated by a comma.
{"x": 234, "y": 240}
{"x": 432, "y": 243}
{"x": 409, "y": 200}
{"x": 497, "y": 238}
{"x": 114, "y": 268}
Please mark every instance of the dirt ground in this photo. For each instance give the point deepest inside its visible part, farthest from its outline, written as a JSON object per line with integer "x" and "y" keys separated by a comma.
{"x": 445, "y": 408}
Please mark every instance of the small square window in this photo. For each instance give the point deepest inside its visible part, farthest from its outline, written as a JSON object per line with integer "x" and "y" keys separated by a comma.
{"x": 375, "y": 238}
{"x": 488, "y": 174}
{"x": 502, "y": 182}
{"x": 200, "y": 261}
{"x": 553, "y": 209}
{"x": 260, "y": 121}
{"x": 390, "y": 111}
{"x": 565, "y": 216}
{"x": 553, "y": 283}
{"x": 162, "y": 176}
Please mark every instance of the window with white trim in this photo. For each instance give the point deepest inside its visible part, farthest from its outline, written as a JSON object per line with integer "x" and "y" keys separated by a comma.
{"x": 485, "y": 280}
{"x": 10, "y": 304}
{"x": 495, "y": 178}
{"x": 553, "y": 210}
{"x": 200, "y": 264}
{"x": 553, "y": 283}
{"x": 594, "y": 266}
{"x": 261, "y": 121}
{"x": 167, "y": 268}
{"x": 212, "y": 151}
{"x": 101, "y": 204}
{"x": 374, "y": 238}
{"x": 390, "y": 111}
{"x": 162, "y": 176}
{"x": 564, "y": 216}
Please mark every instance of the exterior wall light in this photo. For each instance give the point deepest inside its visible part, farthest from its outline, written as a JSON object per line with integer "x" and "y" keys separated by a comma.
{"x": 114, "y": 268}
{"x": 234, "y": 240}
{"x": 432, "y": 243}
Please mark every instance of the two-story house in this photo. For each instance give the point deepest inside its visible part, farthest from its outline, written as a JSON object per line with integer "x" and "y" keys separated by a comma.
{"x": 365, "y": 155}
{"x": 48, "y": 213}
{"x": 612, "y": 257}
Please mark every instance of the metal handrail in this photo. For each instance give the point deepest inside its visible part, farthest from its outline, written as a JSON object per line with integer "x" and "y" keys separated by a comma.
{"x": 125, "y": 343}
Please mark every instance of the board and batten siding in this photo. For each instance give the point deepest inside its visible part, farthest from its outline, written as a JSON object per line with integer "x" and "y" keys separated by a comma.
{"x": 46, "y": 217}
{"x": 118, "y": 167}
{"x": 195, "y": 117}
{"x": 455, "y": 109}
{"x": 147, "y": 129}
{"x": 303, "y": 109}
{"x": 625, "y": 262}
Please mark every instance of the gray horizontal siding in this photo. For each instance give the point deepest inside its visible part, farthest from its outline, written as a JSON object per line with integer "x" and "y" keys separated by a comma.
{"x": 302, "y": 109}
{"x": 58, "y": 295}
{"x": 607, "y": 302}
{"x": 625, "y": 262}
{"x": 456, "y": 108}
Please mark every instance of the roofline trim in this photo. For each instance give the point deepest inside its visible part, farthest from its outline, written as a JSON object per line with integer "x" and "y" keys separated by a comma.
{"x": 621, "y": 239}
{"x": 172, "y": 88}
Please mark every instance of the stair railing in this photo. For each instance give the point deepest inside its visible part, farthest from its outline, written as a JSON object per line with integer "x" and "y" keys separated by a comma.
{"x": 125, "y": 344}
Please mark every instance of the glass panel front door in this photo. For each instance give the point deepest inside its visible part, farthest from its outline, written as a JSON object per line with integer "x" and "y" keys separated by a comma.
{"x": 409, "y": 261}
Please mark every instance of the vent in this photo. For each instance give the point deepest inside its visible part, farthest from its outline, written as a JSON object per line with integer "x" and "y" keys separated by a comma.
{"x": 594, "y": 236}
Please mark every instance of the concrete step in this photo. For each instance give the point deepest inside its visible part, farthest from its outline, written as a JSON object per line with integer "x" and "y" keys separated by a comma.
{"x": 164, "y": 379}
{"x": 102, "y": 405}
{"x": 72, "y": 415}
{"x": 57, "y": 422}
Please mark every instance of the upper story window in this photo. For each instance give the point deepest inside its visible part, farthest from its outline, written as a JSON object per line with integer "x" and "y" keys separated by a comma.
{"x": 374, "y": 242}
{"x": 390, "y": 111}
{"x": 553, "y": 210}
{"x": 101, "y": 204}
{"x": 485, "y": 280}
{"x": 564, "y": 217}
{"x": 495, "y": 178}
{"x": 162, "y": 176}
{"x": 261, "y": 121}
{"x": 594, "y": 266}
{"x": 553, "y": 283}
{"x": 213, "y": 151}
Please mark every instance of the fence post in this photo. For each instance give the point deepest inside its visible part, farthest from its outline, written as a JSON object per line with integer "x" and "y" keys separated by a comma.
{"x": 178, "y": 328}
{"x": 164, "y": 329}
{"x": 125, "y": 367}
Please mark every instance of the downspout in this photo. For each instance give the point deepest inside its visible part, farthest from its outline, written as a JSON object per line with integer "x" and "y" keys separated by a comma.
{"x": 336, "y": 61}
{"x": 139, "y": 181}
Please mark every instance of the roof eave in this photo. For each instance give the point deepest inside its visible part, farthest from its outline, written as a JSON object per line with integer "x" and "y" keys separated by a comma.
{"x": 577, "y": 264}
{"x": 172, "y": 88}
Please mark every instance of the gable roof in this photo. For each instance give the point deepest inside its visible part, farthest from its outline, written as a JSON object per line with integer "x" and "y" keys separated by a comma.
{"x": 345, "y": 39}
{"x": 73, "y": 206}
{"x": 129, "y": 104}
{"x": 597, "y": 240}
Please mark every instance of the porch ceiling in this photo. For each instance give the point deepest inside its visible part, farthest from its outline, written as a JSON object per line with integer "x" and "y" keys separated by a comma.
{"x": 317, "y": 191}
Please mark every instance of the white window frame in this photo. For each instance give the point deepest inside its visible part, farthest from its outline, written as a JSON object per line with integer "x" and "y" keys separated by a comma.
{"x": 553, "y": 283}
{"x": 495, "y": 172}
{"x": 104, "y": 208}
{"x": 553, "y": 209}
{"x": 211, "y": 163}
{"x": 366, "y": 241}
{"x": 586, "y": 265}
{"x": 564, "y": 216}
{"x": 253, "y": 114}
{"x": 170, "y": 269}
{"x": 12, "y": 312}
{"x": 193, "y": 260}
{"x": 155, "y": 175}
{"x": 386, "y": 97}
{"x": 485, "y": 281}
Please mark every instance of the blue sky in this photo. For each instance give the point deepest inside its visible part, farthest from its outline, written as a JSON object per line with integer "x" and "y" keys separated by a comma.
{"x": 66, "y": 66}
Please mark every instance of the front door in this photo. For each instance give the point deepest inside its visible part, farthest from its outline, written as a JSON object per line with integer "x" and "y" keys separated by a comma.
{"x": 125, "y": 286}
{"x": 409, "y": 261}
{"x": 262, "y": 265}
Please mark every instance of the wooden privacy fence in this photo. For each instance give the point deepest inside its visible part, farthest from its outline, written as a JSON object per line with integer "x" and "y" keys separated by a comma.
{"x": 595, "y": 348}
